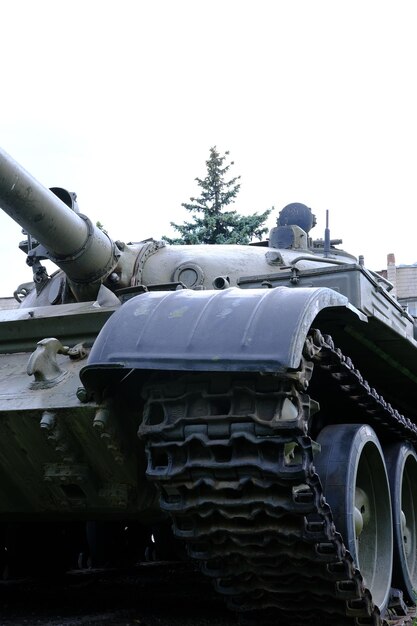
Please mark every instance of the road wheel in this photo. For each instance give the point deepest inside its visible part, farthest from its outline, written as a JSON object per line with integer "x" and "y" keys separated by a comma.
{"x": 352, "y": 470}
{"x": 401, "y": 461}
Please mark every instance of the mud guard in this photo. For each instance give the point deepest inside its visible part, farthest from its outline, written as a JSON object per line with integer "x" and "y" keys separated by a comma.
{"x": 260, "y": 330}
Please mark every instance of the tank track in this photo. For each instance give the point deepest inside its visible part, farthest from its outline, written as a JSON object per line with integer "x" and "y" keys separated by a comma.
{"x": 233, "y": 460}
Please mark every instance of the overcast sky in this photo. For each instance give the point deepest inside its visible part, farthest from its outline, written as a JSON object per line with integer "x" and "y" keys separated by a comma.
{"x": 120, "y": 101}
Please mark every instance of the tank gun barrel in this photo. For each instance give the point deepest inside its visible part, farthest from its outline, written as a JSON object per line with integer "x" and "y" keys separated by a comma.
{"x": 85, "y": 253}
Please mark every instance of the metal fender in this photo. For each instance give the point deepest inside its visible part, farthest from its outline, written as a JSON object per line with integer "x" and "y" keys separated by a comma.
{"x": 235, "y": 329}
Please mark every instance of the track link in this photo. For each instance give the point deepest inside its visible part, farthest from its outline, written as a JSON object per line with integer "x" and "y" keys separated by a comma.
{"x": 233, "y": 460}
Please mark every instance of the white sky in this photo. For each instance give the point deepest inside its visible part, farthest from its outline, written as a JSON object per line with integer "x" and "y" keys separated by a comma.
{"x": 120, "y": 101}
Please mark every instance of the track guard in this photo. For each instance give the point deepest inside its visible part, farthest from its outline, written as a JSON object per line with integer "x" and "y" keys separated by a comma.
{"x": 260, "y": 330}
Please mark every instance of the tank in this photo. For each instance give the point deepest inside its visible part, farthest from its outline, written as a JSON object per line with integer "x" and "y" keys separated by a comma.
{"x": 251, "y": 408}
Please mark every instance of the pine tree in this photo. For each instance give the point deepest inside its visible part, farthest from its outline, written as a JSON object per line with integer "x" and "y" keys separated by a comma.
{"x": 211, "y": 223}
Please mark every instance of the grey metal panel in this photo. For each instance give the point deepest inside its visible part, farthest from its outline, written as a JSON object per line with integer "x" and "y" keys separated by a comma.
{"x": 354, "y": 282}
{"x": 235, "y": 329}
{"x": 21, "y": 329}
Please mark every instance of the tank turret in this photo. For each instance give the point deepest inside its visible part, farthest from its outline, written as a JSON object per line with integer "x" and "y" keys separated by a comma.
{"x": 90, "y": 260}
